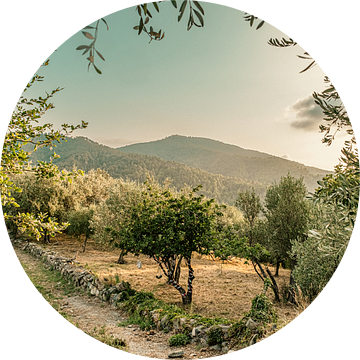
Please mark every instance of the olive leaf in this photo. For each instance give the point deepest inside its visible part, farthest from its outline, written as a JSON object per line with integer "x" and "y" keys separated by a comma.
{"x": 141, "y": 26}
{"x": 107, "y": 26}
{"x": 199, "y": 17}
{"x": 182, "y": 10}
{"x": 156, "y": 6}
{"x": 88, "y": 35}
{"x": 97, "y": 70}
{"x": 82, "y": 47}
{"x": 100, "y": 56}
{"x": 199, "y": 7}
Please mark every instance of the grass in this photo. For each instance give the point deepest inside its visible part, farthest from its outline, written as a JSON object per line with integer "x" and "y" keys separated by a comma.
{"x": 53, "y": 287}
{"x": 101, "y": 335}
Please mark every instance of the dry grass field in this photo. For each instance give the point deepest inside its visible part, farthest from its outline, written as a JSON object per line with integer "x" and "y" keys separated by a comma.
{"x": 220, "y": 289}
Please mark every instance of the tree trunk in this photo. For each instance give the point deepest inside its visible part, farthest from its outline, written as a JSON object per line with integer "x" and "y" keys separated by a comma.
{"x": 178, "y": 270}
{"x": 174, "y": 269}
{"x": 46, "y": 238}
{"x": 277, "y": 268}
{"x": 84, "y": 245}
{"x": 121, "y": 259}
{"x": 263, "y": 276}
{"x": 291, "y": 296}
{"x": 187, "y": 298}
{"x": 274, "y": 285}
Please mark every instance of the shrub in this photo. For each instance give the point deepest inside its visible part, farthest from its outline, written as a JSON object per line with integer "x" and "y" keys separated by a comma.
{"x": 215, "y": 335}
{"x": 178, "y": 340}
{"x": 262, "y": 309}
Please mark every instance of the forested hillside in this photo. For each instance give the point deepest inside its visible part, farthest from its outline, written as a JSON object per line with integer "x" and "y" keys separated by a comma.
{"x": 223, "y": 162}
{"x": 219, "y": 158}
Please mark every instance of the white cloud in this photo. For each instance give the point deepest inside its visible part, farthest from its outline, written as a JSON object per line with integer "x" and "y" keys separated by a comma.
{"x": 305, "y": 114}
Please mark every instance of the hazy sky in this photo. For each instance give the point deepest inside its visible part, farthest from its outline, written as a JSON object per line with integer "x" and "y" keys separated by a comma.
{"x": 221, "y": 82}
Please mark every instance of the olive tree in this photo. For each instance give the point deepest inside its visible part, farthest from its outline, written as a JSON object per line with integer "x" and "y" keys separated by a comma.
{"x": 110, "y": 214}
{"x": 79, "y": 223}
{"x": 287, "y": 213}
{"x": 337, "y": 200}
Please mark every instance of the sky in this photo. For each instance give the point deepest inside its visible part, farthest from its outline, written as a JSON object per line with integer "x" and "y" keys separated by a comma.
{"x": 222, "y": 82}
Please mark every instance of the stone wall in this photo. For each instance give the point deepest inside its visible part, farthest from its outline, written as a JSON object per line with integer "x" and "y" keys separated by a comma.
{"x": 77, "y": 274}
{"x": 85, "y": 279}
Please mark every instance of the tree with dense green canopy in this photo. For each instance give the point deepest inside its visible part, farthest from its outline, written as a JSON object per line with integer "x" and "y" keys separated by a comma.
{"x": 287, "y": 213}
{"x": 165, "y": 225}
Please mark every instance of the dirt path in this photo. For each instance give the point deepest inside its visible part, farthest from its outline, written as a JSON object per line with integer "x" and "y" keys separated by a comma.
{"x": 98, "y": 318}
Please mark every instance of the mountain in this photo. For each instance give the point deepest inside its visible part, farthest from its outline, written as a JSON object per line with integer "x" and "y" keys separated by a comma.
{"x": 86, "y": 154}
{"x": 229, "y": 160}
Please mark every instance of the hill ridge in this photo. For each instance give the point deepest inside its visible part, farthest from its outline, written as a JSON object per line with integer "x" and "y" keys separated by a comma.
{"x": 214, "y": 156}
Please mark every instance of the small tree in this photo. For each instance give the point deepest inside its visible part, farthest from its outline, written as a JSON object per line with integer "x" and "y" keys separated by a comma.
{"x": 249, "y": 204}
{"x": 287, "y": 214}
{"x": 111, "y": 214}
{"x": 165, "y": 225}
{"x": 80, "y": 223}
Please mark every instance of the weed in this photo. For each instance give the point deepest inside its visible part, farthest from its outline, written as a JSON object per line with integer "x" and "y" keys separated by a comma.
{"x": 284, "y": 291}
{"x": 178, "y": 340}
{"x": 262, "y": 309}
{"x": 136, "y": 319}
{"x": 107, "y": 339}
{"x": 102, "y": 330}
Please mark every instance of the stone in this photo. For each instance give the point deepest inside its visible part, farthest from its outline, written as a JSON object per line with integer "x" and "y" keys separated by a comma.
{"x": 164, "y": 322}
{"x": 155, "y": 315}
{"x": 94, "y": 290}
{"x": 176, "y": 325}
{"x": 225, "y": 330}
{"x": 192, "y": 321}
{"x": 183, "y": 321}
{"x": 176, "y": 354}
{"x": 251, "y": 324}
{"x": 197, "y": 330}
{"x": 253, "y": 340}
{"x": 120, "y": 287}
{"x": 230, "y": 351}
{"x": 215, "y": 347}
